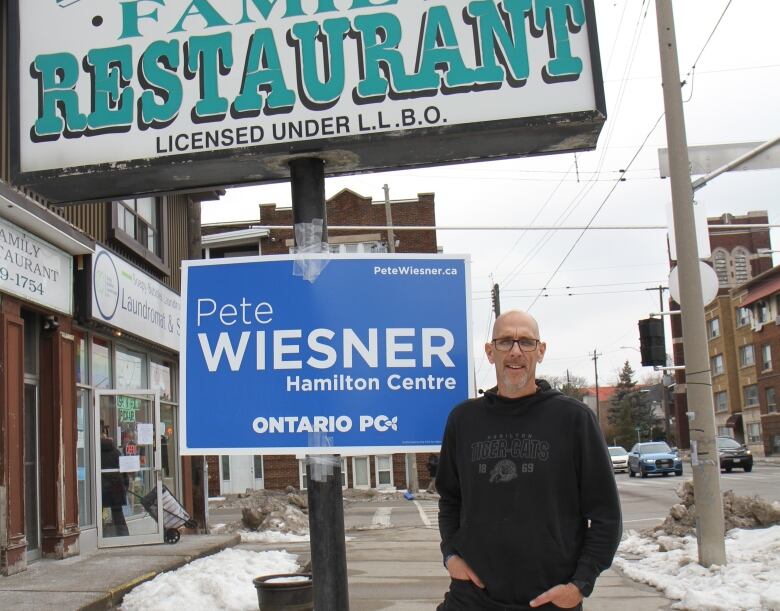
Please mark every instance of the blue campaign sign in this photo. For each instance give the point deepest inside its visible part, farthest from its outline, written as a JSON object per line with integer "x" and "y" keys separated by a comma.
{"x": 370, "y": 356}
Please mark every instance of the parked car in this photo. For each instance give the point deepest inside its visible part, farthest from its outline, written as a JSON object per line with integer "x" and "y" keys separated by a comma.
{"x": 619, "y": 458}
{"x": 734, "y": 454}
{"x": 653, "y": 457}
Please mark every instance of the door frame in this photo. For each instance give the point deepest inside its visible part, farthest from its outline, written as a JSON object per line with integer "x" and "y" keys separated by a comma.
{"x": 123, "y": 541}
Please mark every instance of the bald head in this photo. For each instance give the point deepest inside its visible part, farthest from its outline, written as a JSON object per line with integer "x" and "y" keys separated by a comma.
{"x": 515, "y": 318}
{"x": 516, "y": 365}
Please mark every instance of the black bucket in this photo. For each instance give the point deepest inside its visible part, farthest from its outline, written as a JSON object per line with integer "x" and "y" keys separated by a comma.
{"x": 280, "y": 595}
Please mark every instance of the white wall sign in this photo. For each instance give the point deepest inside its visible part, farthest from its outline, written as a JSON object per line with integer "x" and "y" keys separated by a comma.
{"x": 224, "y": 92}
{"x": 35, "y": 270}
{"x": 131, "y": 300}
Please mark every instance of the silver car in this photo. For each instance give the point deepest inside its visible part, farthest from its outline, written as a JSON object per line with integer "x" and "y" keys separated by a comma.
{"x": 619, "y": 458}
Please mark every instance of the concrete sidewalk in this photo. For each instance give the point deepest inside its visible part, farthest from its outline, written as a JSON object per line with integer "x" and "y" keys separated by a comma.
{"x": 394, "y": 569}
{"x": 99, "y": 579}
{"x": 400, "y": 569}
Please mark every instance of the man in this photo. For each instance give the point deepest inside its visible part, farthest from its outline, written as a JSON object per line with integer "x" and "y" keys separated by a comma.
{"x": 529, "y": 512}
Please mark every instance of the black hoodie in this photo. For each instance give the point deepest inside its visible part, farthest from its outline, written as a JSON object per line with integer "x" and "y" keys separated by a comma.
{"x": 519, "y": 480}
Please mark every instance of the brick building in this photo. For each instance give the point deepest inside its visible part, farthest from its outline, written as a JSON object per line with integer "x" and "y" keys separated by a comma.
{"x": 736, "y": 259}
{"x": 759, "y": 299}
{"x": 272, "y": 234}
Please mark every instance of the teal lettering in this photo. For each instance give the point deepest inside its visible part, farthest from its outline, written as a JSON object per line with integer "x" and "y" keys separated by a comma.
{"x": 209, "y": 56}
{"x": 157, "y": 72}
{"x": 381, "y": 34}
{"x": 203, "y": 8}
{"x": 494, "y": 34}
{"x": 321, "y": 93}
{"x": 558, "y": 16}
{"x": 131, "y": 17}
{"x": 112, "y": 97}
{"x": 294, "y": 8}
{"x": 370, "y": 3}
{"x": 439, "y": 46}
{"x": 57, "y": 75}
{"x": 263, "y": 70}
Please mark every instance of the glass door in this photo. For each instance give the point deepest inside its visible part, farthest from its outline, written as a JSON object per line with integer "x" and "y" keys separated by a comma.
{"x": 128, "y": 462}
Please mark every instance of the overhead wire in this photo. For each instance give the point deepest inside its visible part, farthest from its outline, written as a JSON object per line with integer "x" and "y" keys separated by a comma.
{"x": 692, "y": 71}
{"x": 590, "y": 183}
{"x": 595, "y": 214}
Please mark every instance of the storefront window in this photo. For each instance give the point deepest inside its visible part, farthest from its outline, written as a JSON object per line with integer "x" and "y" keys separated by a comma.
{"x": 84, "y": 455}
{"x": 160, "y": 376}
{"x": 82, "y": 358}
{"x": 101, "y": 363}
{"x": 168, "y": 445}
{"x": 130, "y": 368}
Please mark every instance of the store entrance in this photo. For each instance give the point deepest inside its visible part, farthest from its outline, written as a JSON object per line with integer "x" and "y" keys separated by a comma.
{"x": 127, "y": 477}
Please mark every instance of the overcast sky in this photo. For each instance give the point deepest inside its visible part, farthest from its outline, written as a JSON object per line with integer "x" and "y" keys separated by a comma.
{"x": 734, "y": 96}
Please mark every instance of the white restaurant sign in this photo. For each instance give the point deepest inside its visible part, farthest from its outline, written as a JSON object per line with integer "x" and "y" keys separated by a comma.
{"x": 116, "y": 98}
{"x": 35, "y": 270}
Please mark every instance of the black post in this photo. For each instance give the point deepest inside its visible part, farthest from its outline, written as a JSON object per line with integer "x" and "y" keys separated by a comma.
{"x": 326, "y": 527}
{"x": 323, "y": 473}
{"x": 307, "y": 178}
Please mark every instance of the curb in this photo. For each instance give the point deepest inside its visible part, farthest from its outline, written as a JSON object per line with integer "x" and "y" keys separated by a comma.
{"x": 113, "y": 597}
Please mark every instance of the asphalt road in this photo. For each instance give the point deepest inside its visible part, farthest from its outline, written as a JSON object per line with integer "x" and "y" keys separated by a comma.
{"x": 645, "y": 502}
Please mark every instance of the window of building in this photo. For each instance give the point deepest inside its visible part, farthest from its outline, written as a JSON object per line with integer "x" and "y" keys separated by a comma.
{"x": 713, "y": 328}
{"x": 84, "y": 437}
{"x": 753, "y": 431}
{"x": 257, "y": 466}
{"x": 384, "y": 471}
{"x": 743, "y": 317}
{"x": 304, "y": 480}
{"x": 716, "y": 364}
{"x": 724, "y": 431}
{"x": 766, "y": 357}
{"x": 225, "y": 468}
{"x": 720, "y": 262}
{"x": 762, "y": 311}
{"x": 750, "y": 395}
{"x": 771, "y": 400}
{"x": 138, "y": 225}
{"x": 360, "y": 477}
{"x": 721, "y": 402}
{"x": 741, "y": 265}
{"x": 747, "y": 356}
{"x": 358, "y": 247}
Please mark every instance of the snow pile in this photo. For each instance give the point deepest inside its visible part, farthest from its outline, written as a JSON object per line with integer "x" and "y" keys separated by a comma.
{"x": 276, "y": 515}
{"x": 738, "y": 512}
{"x": 749, "y": 582}
{"x": 219, "y": 582}
{"x": 270, "y": 536}
{"x": 268, "y": 510}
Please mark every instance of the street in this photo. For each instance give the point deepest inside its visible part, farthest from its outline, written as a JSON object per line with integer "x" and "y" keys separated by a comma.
{"x": 645, "y": 502}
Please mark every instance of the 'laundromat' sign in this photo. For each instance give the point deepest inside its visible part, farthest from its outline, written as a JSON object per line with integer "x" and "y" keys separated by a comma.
{"x": 122, "y": 97}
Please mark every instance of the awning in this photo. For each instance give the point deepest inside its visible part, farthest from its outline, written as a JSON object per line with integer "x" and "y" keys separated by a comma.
{"x": 734, "y": 421}
{"x": 762, "y": 290}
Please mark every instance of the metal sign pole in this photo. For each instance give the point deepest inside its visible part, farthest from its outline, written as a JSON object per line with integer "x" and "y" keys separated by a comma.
{"x": 323, "y": 473}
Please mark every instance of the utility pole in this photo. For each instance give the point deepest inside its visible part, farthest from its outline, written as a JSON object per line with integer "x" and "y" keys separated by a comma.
{"x": 412, "y": 478}
{"x": 704, "y": 455}
{"x": 596, "y": 356}
{"x": 389, "y": 217}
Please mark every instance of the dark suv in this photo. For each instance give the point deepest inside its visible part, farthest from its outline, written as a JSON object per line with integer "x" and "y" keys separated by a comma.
{"x": 734, "y": 454}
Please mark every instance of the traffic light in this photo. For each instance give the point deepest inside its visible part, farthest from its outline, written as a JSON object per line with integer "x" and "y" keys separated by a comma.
{"x": 652, "y": 343}
{"x": 494, "y": 296}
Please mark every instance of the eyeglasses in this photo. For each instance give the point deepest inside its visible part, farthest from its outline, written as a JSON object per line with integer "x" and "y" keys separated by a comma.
{"x": 505, "y": 344}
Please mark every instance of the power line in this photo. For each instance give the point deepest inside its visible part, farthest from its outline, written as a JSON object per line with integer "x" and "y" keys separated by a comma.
{"x": 692, "y": 71}
{"x": 603, "y": 203}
